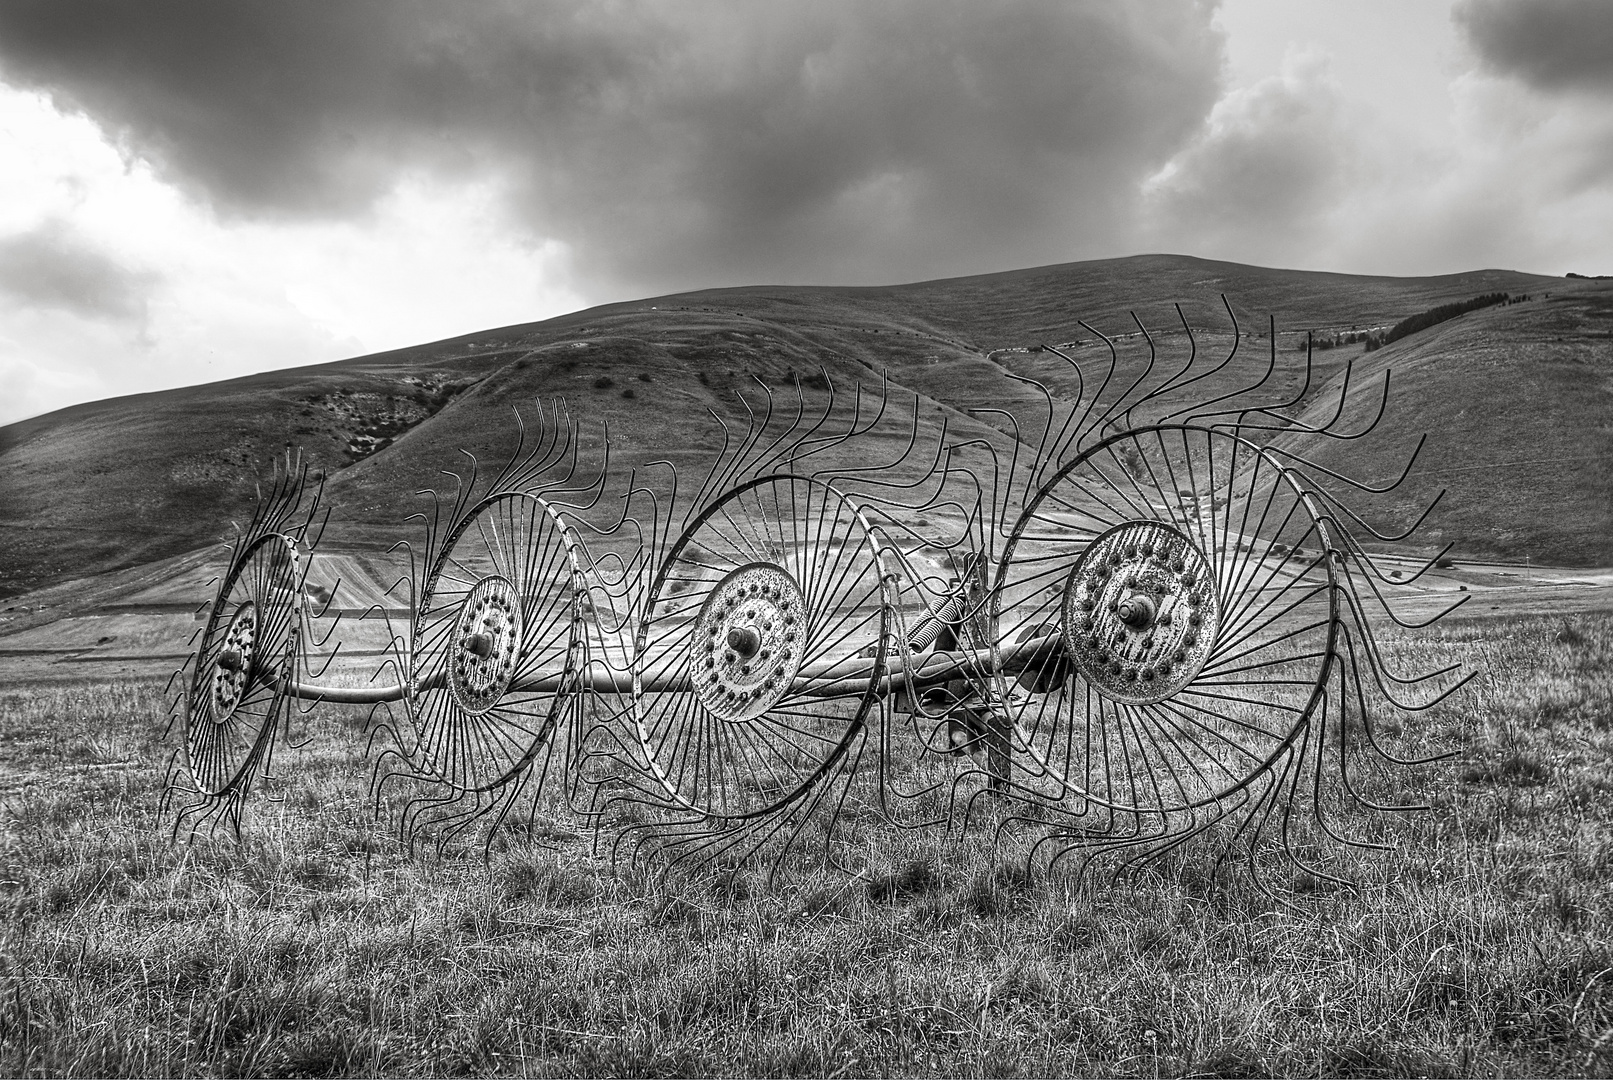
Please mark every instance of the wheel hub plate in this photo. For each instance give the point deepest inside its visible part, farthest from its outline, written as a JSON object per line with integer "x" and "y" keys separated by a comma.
{"x": 486, "y": 643}
{"x": 747, "y": 641}
{"x": 1141, "y": 612}
{"x": 231, "y": 675}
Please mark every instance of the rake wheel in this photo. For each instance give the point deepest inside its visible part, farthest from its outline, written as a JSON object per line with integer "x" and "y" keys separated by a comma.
{"x": 245, "y": 659}
{"x": 769, "y": 622}
{"x": 497, "y": 649}
{"x": 1189, "y": 577}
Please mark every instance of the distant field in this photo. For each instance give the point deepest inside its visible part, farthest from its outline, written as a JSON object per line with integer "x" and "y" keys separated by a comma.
{"x": 316, "y": 946}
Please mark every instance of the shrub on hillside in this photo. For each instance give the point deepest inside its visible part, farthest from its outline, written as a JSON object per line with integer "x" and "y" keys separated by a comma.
{"x": 1433, "y": 316}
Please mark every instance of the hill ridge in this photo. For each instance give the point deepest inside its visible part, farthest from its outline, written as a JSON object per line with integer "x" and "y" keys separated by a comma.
{"x": 106, "y": 484}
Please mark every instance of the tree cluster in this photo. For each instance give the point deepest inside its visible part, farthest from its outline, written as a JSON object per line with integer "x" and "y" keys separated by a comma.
{"x": 1432, "y": 317}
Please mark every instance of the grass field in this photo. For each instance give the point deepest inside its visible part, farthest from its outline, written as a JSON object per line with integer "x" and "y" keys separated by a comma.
{"x": 315, "y": 946}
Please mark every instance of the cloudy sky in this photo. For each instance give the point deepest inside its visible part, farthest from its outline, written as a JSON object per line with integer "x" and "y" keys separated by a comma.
{"x": 195, "y": 190}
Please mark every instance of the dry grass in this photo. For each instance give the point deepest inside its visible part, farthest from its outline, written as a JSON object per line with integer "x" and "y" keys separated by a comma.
{"x": 315, "y": 947}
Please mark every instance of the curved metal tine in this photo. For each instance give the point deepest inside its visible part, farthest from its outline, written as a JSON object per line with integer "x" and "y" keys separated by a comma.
{"x": 768, "y": 459}
{"x": 708, "y": 487}
{"x": 1218, "y": 367}
{"x": 330, "y": 598}
{"x": 565, "y": 485}
{"x": 1040, "y": 458}
{"x": 990, "y": 497}
{"x": 1082, "y": 427}
{"x": 568, "y": 491}
{"x": 1061, "y": 440}
{"x": 1358, "y": 614}
{"x": 1319, "y": 771}
{"x": 1171, "y": 383}
{"x": 810, "y": 435}
{"x": 1375, "y": 663}
{"x": 1198, "y": 413}
{"x": 514, "y": 461}
{"x": 1123, "y": 403}
{"x": 1241, "y": 423}
{"x": 555, "y": 440}
{"x": 1295, "y": 426}
{"x": 661, "y": 524}
{"x": 329, "y": 659}
{"x": 997, "y": 473}
{"x": 1358, "y": 485}
{"x": 1287, "y": 824}
{"x": 1361, "y": 553}
{"x": 1333, "y": 501}
{"x": 753, "y": 435}
{"x": 852, "y": 430}
{"x": 870, "y": 475}
{"x": 463, "y": 489}
{"x": 873, "y": 486}
{"x": 548, "y": 449}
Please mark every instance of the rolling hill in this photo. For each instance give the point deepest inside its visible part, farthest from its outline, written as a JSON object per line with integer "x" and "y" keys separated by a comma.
{"x": 1517, "y": 400}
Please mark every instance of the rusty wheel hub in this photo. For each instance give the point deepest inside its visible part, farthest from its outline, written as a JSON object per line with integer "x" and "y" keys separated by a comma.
{"x": 1140, "y": 612}
{"x": 748, "y": 641}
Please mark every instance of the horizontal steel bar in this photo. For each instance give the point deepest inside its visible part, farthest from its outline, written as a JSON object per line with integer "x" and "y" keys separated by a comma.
{"x": 847, "y": 677}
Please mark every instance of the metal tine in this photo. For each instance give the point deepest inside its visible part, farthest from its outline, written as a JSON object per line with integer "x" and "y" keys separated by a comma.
{"x": 1061, "y": 442}
{"x": 1359, "y": 486}
{"x": 516, "y": 460}
{"x": 830, "y": 442}
{"x": 1171, "y": 385}
{"x": 811, "y": 434}
{"x": 1040, "y": 459}
{"x": 1338, "y": 504}
{"x": 869, "y": 474}
{"x": 579, "y": 498}
{"x": 753, "y": 435}
{"x": 931, "y": 473}
{"x": 994, "y": 499}
{"x": 1123, "y": 399}
{"x": 768, "y": 460}
{"x": 1375, "y": 662}
{"x": 997, "y": 473}
{"x": 1358, "y": 615}
{"x": 556, "y": 439}
{"x": 1393, "y": 615}
{"x": 1083, "y": 428}
{"x": 710, "y": 486}
{"x": 1293, "y": 424}
{"x": 564, "y": 449}
{"x": 1288, "y": 811}
{"x": 1319, "y": 771}
{"x": 1382, "y": 676}
{"x": 1242, "y": 424}
{"x": 660, "y": 524}
{"x": 1196, "y": 414}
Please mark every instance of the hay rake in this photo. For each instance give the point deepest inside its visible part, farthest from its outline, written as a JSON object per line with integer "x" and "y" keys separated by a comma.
{"x": 1142, "y": 620}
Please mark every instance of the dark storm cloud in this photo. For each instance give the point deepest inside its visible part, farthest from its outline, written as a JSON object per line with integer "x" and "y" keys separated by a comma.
{"x": 1550, "y": 44}
{"x": 52, "y": 267}
{"x": 670, "y": 144}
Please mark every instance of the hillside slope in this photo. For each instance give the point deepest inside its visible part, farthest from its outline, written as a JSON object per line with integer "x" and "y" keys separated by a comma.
{"x": 122, "y": 482}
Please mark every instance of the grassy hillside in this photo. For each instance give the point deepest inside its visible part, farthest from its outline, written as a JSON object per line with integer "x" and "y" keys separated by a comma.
{"x": 1517, "y": 402}
{"x": 122, "y": 482}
